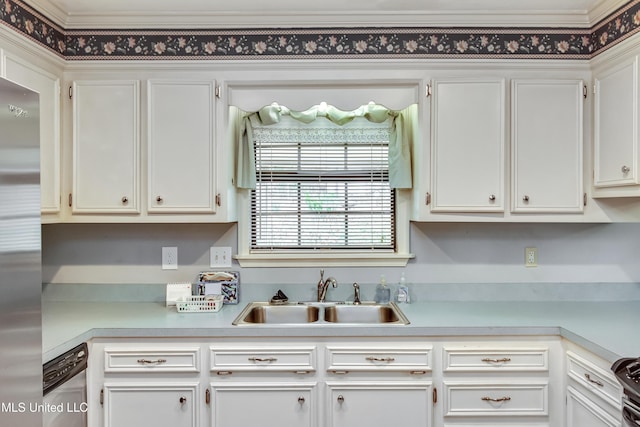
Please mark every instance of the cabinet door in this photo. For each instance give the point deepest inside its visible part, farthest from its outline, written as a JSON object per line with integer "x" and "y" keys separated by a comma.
{"x": 150, "y": 404}
{"x": 181, "y": 146}
{"x": 264, "y": 404}
{"x": 379, "y": 404}
{"x": 547, "y": 146}
{"x": 48, "y": 87}
{"x": 468, "y": 156}
{"x": 106, "y": 146}
{"x": 583, "y": 412}
{"x": 616, "y": 126}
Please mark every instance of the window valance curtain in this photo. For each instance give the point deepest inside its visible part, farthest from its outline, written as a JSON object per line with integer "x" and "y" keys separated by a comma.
{"x": 401, "y": 133}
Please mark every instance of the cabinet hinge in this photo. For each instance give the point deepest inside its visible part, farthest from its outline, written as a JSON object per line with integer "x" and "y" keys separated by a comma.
{"x": 584, "y": 199}
{"x": 218, "y": 91}
{"x": 427, "y": 199}
{"x": 218, "y": 200}
{"x": 70, "y": 92}
{"x": 584, "y": 91}
{"x": 207, "y": 396}
{"x": 434, "y": 395}
{"x": 427, "y": 90}
{"x": 70, "y": 199}
{"x": 102, "y": 396}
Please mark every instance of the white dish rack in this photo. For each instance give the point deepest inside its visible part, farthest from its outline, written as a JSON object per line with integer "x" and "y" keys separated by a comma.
{"x": 199, "y": 303}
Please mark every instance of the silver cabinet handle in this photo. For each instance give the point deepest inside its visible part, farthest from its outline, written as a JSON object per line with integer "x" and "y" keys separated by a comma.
{"x": 301, "y": 400}
{"x": 380, "y": 359}
{"x": 159, "y": 199}
{"x": 492, "y": 198}
{"x": 503, "y": 360}
{"x": 591, "y": 380}
{"x": 525, "y": 198}
{"x": 501, "y": 399}
{"x": 340, "y": 398}
{"x": 625, "y": 169}
{"x": 223, "y": 373}
{"x": 263, "y": 359}
{"x": 125, "y": 200}
{"x": 183, "y": 400}
{"x": 149, "y": 362}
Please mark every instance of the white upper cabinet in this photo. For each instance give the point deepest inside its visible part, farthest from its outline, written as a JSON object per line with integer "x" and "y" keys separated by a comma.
{"x": 106, "y": 147}
{"x": 546, "y": 146}
{"x": 616, "y": 155}
{"x": 468, "y": 145}
{"x": 48, "y": 87}
{"x": 181, "y": 149}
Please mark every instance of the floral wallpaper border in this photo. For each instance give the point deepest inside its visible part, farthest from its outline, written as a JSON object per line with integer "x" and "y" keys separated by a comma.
{"x": 406, "y": 43}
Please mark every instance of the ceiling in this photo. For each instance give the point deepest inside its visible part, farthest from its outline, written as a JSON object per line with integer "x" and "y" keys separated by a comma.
{"x": 216, "y": 14}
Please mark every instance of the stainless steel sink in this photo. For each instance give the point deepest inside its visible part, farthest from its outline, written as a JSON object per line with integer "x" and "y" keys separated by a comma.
{"x": 365, "y": 313}
{"x": 261, "y": 313}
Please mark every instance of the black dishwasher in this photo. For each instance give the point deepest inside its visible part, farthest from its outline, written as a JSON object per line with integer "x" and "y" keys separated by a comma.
{"x": 64, "y": 386}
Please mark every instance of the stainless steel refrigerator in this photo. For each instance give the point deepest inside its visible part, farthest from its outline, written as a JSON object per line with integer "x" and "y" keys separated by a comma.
{"x": 20, "y": 258}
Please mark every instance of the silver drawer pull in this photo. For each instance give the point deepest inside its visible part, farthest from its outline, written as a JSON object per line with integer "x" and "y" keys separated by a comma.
{"x": 596, "y": 382}
{"x": 340, "y": 399}
{"x": 183, "y": 400}
{"x": 417, "y": 372}
{"x": 263, "y": 359}
{"x": 339, "y": 372}
{"x": 491, "y": 399}
{"x": 380, "y": 359}
{"x": 301, "y": 400}
{"x": 150, "y": 362}
{"x": 503, "y": 360}
{"x": 222, "y": 373}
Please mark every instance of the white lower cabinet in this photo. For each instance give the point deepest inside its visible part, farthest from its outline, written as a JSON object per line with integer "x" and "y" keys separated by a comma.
{"x": 347, "y": 381}
{"x": 501, "y": 384}
{"x": 379, "y": 403}
{"x": 158, "y": 404}
{"x": 264, "y": 403}
{"x": 593, "y": 394}
{"x": 584, "y": 412}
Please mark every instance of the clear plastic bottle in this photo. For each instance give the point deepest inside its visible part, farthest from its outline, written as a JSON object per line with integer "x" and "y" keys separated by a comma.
{"x": 383, "y": 292}
{"x": 402, "y": 293}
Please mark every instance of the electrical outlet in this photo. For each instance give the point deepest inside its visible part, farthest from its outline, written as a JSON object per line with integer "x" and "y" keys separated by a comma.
{"x": 220, "y": 256}
{"x": 530, "y": 257}
{"x": 169, "y": 258}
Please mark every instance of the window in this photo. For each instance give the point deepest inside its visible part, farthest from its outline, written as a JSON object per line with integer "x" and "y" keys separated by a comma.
{"x": 322, "y": 186}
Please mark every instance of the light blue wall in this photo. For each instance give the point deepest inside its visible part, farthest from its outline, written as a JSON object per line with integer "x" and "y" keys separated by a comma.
{"x": 445, "y": 253}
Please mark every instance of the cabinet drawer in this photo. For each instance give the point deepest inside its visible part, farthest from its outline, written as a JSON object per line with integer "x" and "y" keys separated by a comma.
{"x": 152, "y": 360}
{"x": 345, "y": 359}
{"x": 457, "y": 359}
{"x": 596, "y": 380}
{"x": 260, "y": 359}
{"x": 496, "y": 399}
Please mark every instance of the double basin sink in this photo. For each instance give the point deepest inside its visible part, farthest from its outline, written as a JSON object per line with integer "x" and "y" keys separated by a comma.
{"x": 260, "y": 313}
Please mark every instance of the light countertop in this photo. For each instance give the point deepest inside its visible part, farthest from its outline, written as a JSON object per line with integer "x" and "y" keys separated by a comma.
{"x": 609, "y": 329}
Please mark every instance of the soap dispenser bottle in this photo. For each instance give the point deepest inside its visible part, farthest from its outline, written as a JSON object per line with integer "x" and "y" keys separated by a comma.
{"x": 383, "y": 292}
{"x": 402, "y": 294}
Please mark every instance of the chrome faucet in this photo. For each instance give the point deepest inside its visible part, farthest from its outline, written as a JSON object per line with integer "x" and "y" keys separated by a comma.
{"x": 356, "y": 294}
{"x": 324, "y": 284}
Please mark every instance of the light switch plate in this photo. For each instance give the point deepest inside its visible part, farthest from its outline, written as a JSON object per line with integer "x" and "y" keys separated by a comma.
{"x": 220, "y": 256}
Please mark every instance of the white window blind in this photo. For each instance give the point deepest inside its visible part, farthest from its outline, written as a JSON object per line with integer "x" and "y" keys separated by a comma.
{"x": 322, "y": 188}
